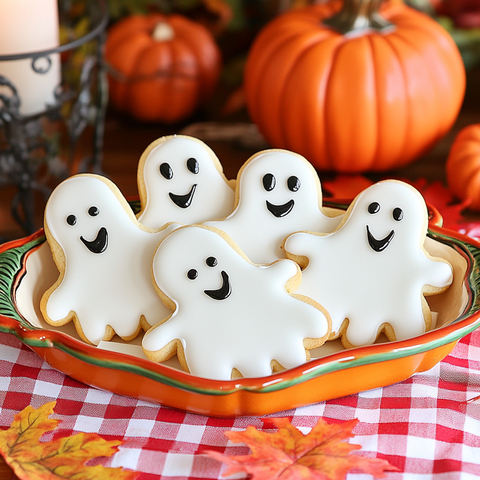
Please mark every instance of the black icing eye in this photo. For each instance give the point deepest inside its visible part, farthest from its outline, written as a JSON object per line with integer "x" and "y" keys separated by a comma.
{"x": 374, "y": 207}
{"x": 71, "y": 220}
{"x": 192, "y": 274}
{"x": 93, "y": 211}
{"x": 211, "y": 261}
{"x": 293, "y": 184}
{"x": 192, "y": 165}
{"x": 166, "y": 171}
{"x": 269, "y": 182}
{"x": 397, "y": 214}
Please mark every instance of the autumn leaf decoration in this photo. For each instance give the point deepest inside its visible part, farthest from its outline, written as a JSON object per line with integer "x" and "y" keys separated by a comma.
{"x": 288, "y": 454}
{"x": 62, "y": 458}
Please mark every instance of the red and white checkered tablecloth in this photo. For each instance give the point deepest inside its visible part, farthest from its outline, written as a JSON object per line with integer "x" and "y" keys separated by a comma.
{"x": 424, "y": 425}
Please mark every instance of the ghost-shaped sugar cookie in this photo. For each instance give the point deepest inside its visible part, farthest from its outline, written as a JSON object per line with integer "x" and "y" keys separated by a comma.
{"x": 372, "y": 274}
{"x": 104, "y": 258}
{"x": 277, "y": 193}
{"x": 181, "y": 180}
{"x": 229, "y": 315}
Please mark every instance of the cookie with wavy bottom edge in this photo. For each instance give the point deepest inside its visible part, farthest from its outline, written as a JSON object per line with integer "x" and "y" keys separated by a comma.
{"x": 372, "y": 273}
{"x": 104, "y": 260}
{"x": 277, "y": 193}
{"x": 231, "y": 316}
{"x": 180, "y": 179}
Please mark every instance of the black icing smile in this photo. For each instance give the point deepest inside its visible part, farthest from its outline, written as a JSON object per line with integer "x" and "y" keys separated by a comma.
{"x": 379, "y": 245}
{"x": 280, "y": 210}
{"x": 184, "y": 201}
{"x": 98, "y": 244}
{"x": 224, "y": 291}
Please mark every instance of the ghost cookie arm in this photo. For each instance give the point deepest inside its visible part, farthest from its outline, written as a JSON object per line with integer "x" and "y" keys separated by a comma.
{"x": 300, "y": 246}
{"x": 331, "y": 221}
{"x": 439, "y": 275}
{"x": 315, "y": 324}
{"x": 285, "y": 273}
{"x": 434, "y": 276}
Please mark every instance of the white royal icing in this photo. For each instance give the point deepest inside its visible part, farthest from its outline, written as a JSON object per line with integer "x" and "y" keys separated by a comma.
{"x": 352, "y": 280}
{"x": 113, "y": 287}
{"x": 253, "y": 226}
{"x": 254, "y": 322}
{"x": 183, "y": 183}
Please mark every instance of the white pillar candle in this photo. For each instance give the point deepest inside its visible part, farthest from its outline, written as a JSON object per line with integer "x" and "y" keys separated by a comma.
{"x": 30, "y": 26}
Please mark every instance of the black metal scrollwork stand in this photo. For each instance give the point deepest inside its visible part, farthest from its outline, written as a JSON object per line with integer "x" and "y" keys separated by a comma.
{"x": 26, "y": 144}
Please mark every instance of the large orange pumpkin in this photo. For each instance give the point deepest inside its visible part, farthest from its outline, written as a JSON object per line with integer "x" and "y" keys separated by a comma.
{"x": 463, "y": 166}
{"x": 161, "y": 67}
{"x": 352, "y": 90}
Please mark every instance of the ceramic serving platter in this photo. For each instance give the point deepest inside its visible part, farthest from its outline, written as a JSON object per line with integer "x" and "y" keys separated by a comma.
{"x": 27, "y": 270}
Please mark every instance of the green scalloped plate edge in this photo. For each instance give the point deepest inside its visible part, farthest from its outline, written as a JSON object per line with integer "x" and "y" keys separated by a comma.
{"x": 12, "y": 269}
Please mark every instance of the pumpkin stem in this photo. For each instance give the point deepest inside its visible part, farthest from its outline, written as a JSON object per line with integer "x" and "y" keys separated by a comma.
{"x": 357, "y": 16}
{"x": 163, "y": 32}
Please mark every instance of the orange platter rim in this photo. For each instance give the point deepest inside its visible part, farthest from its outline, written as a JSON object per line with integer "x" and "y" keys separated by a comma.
{"x": 334, "y": 375}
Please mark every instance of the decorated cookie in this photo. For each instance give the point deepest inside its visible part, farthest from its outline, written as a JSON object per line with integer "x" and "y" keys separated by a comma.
{"x": 181, "y": 180}
{"x": 277, "y": 193}
{"x": 372, "y": 273}
{"x": 229, "y": 315}
{"x": 104, "y": 257}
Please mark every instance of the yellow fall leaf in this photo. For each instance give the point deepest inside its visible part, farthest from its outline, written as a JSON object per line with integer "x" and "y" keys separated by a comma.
{"x": 62, "y": 458}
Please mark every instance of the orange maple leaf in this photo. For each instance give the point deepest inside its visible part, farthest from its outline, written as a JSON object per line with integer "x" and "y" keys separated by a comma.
{"x": 346, "y": 186}
{"x": 290, "y": 455}
{"x": 62, "y": 458}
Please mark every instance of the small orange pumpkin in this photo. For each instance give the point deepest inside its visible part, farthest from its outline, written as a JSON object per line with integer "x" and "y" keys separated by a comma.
{"x": 463, "y": 166}
{"x": 161, "y": 67}
{"x": 353, "y": 87}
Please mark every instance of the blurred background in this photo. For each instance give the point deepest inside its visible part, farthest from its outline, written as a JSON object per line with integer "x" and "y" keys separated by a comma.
{"x": 118, "y": 92}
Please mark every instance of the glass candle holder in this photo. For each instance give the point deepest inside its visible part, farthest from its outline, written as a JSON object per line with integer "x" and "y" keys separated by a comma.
{"x": 52, "y": 107}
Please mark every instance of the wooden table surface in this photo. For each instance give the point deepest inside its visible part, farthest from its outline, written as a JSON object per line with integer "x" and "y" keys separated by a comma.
{"x": 233, "y": 142}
